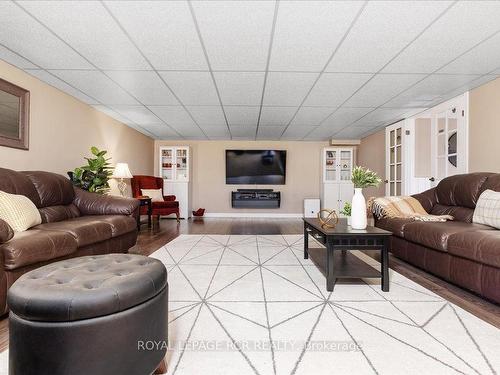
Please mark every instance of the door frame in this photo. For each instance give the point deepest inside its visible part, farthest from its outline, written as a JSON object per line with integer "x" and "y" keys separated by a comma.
{"x": 400, "y": 124}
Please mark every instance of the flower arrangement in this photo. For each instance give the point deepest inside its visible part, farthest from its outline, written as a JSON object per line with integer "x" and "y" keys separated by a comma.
{"x": 363, "y": 177}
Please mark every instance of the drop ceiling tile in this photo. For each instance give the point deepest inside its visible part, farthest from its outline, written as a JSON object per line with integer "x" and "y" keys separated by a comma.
{"x": 137, "y": 113}
{"x": 276, "y": 116}
{"x": 192, "y": 88}
{"x": 311, "y": 116}
{"x": 63, "y": 86}
{"x": 297, "y": 132}
{"x": 172, "y": 115}
{"x": 95, "y": 84}
{"x": 162, "y": 131}
{"x": 430, "y": 89}
{"x": 344, "y": 117}
{"x": 243, "y": 131}
{"x": 240, "y": 88}
{"x": 480, "y": 60}
{"x": 207, "y": 115}
{"x": 383, "y": 29}
{"x": 216, "y": 131}
{"x": 89, "y": 29}
{"x": 332, "y": 89}
{"x": 380, "y": 116}
{"x": 462, "y": 27}
{"x": 270, "y": 132}
{"x": 471, "y": 85}
{"x": 146, "y": 86}
{"x": 245, "y": 46}
{"x": 114, "y": 114}
{"x": 319, "y": 134}
{"x": 15, "y": 59}
{"x": 353, "y": 133}
{"x": 25, "y": 36}
{"x": 247, "y": 116}
{"x": 307, "y": 33}
{"x": 190, "y": 132}
{"x": 382, "y": 88}
{"x": 170, "y": 41}
{"x": 287, "y": 88}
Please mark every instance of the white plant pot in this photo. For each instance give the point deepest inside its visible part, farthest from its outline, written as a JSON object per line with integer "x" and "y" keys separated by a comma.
{"x": 349, "y": 220}
{"x": 358, "y": 210}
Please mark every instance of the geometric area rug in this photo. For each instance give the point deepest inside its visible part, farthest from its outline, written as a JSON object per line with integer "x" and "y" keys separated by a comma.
{"x": 247, "y": 304}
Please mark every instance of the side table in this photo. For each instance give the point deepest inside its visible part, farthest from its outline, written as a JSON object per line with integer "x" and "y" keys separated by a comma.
{"x": 145, "y": 201}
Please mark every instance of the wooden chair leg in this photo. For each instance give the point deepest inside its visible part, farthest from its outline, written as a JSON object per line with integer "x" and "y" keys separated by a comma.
{"x": 178, "y": 217}
{"x": 162, "y": 367}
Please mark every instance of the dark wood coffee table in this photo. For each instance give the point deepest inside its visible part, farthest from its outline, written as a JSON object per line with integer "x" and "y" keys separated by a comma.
{"x": 336, "y": 264}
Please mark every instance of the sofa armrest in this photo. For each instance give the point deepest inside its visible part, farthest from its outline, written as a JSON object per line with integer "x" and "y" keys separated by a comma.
{"x": 169, "y": 198}
{"x": 6, "y": 232}
{"x": 97, "y": 204}
{"x": 427, "y": 199}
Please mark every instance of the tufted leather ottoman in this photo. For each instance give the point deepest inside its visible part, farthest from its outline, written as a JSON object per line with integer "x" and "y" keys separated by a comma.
{"x": 94, "y": 315}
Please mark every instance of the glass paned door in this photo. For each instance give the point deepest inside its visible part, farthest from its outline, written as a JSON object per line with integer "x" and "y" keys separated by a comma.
{"x": 331, "y": 164}
{"x": 167, "y": 164}
{"x": 394, "y": 160}
{"x": 182, "y": 164}
{"x": 345, "y": 166}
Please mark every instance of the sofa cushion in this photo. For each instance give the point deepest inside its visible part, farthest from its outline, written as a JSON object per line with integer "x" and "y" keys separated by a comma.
{"x": 18, "y": 211}
{"x": 59, "y": 213}
{"x": 119, "y": 224}
{"x": 34, "y": 246}
{"x": 482, "y": 246}
{"x": 461, "y": 189}
{"x": 53, "y": 189}
{"x": 86, "y": 230}
{"x": 17, "y": 183}
{"x": 436, "y": 235}
{"x": 395, "y": 225}
{"x": 459, "y": 213}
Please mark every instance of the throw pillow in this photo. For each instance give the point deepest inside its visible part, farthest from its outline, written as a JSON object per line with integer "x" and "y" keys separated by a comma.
{"x": 487, "y": 210}
{"x": 18, "y": 211}
{"x": 154, "y": 194}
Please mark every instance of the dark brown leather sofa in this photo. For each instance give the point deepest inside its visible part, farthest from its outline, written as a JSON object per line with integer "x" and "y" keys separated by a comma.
{"x": 74, "y": 223}
{"x": 459, "y": 251}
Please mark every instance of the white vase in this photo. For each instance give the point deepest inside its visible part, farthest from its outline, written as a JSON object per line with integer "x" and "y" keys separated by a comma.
{"x": 349, "y": 220}
{"x": 358, "y": 210}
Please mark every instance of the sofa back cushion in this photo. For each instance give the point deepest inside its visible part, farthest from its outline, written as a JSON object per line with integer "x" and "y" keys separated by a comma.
{"x": 461, "y": 190}
{"x": 53, "y": 214}
{"x": 53, "y": 189}
{"x": 492, "y": 183}
{"x": 459, "y": 213}
{"x": 13, "y": 182}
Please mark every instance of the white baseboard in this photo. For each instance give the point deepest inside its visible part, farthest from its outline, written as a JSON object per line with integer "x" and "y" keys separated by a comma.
{"x": 255, "y": 215}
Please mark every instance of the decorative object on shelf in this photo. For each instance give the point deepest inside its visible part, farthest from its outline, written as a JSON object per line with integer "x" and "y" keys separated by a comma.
{"x": 14, "y": 112}
{"x": 331, "y": 219}
{"x": 361, "y": 178}
{"x": 122, "y": 171}
{"x": 346, "y": 211}
{"x": 94, "y": 176}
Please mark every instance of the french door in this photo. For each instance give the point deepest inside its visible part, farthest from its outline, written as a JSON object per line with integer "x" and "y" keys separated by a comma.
{"x": 394, "y": 156}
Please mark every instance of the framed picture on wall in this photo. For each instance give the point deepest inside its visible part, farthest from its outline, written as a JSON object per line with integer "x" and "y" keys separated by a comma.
{"x": 14, "y": 115}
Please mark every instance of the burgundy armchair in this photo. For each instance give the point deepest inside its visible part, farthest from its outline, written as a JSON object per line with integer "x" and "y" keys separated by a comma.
{"x": 168, "y": 207}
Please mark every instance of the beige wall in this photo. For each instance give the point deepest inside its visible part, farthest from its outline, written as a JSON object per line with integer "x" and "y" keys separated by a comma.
{"x": 210, "y": 191}
{"x": 371, "y": 154}
{"x": 62, "y": 130}
{"x": 484, "y": 128}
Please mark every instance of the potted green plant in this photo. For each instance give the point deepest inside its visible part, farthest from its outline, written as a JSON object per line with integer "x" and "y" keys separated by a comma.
{"x": 94, "y": 176}
{"x": 346, "y": 211}
{"x": 361, "y": 178}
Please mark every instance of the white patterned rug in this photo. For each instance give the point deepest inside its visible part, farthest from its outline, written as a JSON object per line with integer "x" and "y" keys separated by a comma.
{"x": 252, "y": 305}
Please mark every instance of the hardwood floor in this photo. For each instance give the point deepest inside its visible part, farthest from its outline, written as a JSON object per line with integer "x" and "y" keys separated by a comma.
{"x": 164, "y": 232}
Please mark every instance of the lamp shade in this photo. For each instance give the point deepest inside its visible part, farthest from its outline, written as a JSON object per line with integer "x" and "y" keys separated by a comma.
{"x": 122, "y": 171}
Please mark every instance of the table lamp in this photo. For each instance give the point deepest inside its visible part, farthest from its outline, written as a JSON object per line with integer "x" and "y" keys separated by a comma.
{"x": 122, "y": 171}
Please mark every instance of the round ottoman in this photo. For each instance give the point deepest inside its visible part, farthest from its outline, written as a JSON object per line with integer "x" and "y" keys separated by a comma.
{"x": 94, "y": 315}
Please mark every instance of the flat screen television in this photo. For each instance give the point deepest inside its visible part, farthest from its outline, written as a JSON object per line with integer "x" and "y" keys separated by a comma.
{"x": 259, "y": 167}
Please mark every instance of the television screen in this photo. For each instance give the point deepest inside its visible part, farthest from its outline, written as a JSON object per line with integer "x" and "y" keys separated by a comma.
{"x": 260, "y": 167}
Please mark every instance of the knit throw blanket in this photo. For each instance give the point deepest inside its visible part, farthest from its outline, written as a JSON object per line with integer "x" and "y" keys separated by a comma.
{"x": 403, "y": 207}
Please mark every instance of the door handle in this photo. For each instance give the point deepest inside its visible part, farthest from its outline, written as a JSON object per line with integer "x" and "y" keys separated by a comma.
{"x": 432, "y": 179}
{"x": 386, "y": 181}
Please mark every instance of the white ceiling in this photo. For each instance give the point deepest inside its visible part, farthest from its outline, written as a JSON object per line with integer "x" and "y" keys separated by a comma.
{"x": 290, "y": 70}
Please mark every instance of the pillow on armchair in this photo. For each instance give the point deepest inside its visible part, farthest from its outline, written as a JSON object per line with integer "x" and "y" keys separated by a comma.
{"x": 154, "y": 194}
